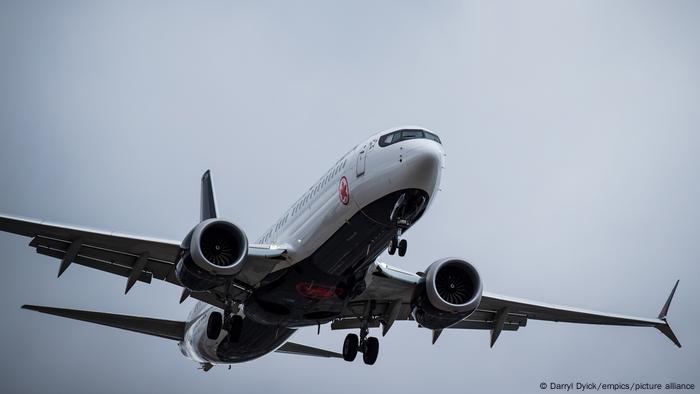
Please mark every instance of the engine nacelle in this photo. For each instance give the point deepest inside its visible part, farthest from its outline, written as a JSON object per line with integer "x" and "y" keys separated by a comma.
{"x": 452, "y": 291}
{"x": 215, "y": 250}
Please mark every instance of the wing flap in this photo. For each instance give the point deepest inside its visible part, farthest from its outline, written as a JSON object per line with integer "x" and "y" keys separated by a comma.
{"x": 483, "y": 325}
{"x": 168, "y": 329}
{"x": 102, "y": 258}
{"x": 95, "y": 263}
{"x": 136, "y": 245}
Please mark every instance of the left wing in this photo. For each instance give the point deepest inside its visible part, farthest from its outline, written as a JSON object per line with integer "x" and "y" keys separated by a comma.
{"x": 107, "y": 251}
{"x": 390, "y": 292}
{"x": 140, "y": 258}
{"x": 136, "y": 258}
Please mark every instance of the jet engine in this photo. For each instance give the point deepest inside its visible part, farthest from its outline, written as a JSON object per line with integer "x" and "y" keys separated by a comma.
{"x": 214, "y": 252}
{"x": 451, "y": 291}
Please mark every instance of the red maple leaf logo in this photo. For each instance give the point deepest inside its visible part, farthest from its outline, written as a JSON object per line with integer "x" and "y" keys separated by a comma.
{"x": 344, "y": 191}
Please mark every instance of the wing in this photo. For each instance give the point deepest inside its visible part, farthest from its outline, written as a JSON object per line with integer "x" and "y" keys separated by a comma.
{"x": 136, "y": 258}
{"x": 390, "y": 291}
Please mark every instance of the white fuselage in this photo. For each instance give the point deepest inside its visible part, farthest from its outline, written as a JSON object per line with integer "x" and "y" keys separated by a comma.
{"x": 370, "y": 172}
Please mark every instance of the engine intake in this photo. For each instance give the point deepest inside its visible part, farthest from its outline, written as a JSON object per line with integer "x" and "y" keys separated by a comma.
{"x": 215, "y": 252}
{"x": 452, "y": 292}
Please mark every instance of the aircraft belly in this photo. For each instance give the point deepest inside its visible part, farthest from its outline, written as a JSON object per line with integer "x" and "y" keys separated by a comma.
{"x": 255, "y": 341}
{"x": 316, "y": 289}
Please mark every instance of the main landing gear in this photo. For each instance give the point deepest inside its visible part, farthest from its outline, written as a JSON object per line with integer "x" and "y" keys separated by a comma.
{"x": 229, "y": 321}
{"x": 368, "y": 346}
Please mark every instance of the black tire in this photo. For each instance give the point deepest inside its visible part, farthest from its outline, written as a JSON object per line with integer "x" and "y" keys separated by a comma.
{"x": 372, "y": 351}
{"x": 403, "y": 245}
{"x": 350, "y": 346}
{"x": 214, "y": 325}
{"x": 393, "y": 245}
{"x": 236, "y": 325}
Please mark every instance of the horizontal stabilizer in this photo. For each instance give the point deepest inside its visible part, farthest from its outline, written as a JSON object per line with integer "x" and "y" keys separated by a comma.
{"x": 295, "y": 348}
{"x": 168, "y": 329}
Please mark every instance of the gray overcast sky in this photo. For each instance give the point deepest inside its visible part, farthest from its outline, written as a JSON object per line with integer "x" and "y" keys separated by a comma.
{"x": 572, "y": 173}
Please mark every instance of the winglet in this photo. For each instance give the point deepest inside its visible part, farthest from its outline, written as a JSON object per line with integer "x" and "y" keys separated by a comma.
{"x": 665, "y": 328}
{"x": 664, "y": 310}
{"x": 208, "y": 203}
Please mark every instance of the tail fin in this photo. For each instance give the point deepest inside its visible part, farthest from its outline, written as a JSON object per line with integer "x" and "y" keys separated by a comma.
{"x": 168, "y": 329}
{"x": 665, "y": 328}
{"x": 208, "y": 203}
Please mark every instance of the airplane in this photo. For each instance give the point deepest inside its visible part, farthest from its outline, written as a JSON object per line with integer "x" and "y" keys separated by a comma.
{"x": 317, "y": 264}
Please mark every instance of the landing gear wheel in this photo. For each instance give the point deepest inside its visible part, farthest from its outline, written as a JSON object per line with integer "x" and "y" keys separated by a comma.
{"x": 393, "y": 245}
{"x": 402, "y": 247}
{"x": 350, "y": 346}
{"x": 214, "y": 325}
{"x": 371, "y": 351}
{"x": 234, "y": 328}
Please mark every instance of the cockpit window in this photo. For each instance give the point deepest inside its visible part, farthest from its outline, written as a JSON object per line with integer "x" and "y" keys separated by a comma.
{"x": 408, "y": 134}
{"x": 433, "y": 137}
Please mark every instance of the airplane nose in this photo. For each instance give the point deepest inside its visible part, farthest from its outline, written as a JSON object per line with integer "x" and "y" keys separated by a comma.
{"x": 425, "y": 165}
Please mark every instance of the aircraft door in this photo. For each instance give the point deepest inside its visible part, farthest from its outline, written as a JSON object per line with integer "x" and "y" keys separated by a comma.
{"x": 361, "y": 158}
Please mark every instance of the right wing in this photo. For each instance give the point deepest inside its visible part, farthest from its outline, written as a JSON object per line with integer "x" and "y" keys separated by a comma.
{"x": 391, "y": 290}
{"x": 515, "y": 312}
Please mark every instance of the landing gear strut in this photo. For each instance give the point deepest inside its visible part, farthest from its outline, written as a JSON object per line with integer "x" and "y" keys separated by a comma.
{"x": 368, "y": 346}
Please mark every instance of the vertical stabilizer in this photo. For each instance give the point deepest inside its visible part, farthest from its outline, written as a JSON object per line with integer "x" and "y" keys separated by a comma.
{"x": 208, "y": 203}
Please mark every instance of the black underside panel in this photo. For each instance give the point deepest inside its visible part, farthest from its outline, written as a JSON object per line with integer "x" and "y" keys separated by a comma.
{"x": 317, "y": 288}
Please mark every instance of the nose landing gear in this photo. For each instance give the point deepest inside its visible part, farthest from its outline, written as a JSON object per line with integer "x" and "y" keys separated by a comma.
{"x": 398, "y": 245}
{"x": 408, "y": 207}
